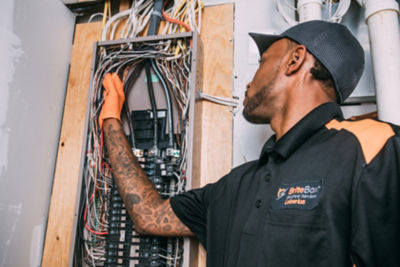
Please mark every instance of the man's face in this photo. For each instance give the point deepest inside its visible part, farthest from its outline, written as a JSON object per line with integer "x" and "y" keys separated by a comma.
{"x": 262, "y": 94}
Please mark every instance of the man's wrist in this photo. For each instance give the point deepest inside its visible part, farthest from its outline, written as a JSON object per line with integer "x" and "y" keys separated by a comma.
{"x": 111, "y": 120}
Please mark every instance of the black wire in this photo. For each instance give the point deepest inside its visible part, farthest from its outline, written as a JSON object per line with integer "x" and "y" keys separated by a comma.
{"x": 153, "y": 103}
{"x": 169, "y": 104}
{"x": 130, "y": 81}
{"x": 79, "y": 247}
{"x": 155, "y": 17}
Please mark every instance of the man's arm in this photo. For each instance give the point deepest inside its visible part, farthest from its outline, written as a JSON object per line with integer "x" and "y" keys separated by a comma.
{"x": 150, "y": 213}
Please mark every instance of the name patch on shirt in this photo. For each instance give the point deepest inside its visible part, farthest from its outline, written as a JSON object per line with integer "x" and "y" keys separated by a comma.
{"x": 301, "y": 195}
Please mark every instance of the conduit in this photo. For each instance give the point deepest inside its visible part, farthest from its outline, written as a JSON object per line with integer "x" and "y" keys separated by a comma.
{"x": 383, "y": 25}
{"x": 309, "y": 10}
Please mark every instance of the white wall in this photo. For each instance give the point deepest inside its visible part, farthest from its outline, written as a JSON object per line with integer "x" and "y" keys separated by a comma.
{"x": 36, "y": 39}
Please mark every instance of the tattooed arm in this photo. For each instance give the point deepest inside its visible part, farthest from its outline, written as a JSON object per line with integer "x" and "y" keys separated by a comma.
{"x": 150, "y": 213}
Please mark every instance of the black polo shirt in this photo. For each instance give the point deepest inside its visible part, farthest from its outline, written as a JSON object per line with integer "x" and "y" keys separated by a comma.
{"x": 325, "y": 194}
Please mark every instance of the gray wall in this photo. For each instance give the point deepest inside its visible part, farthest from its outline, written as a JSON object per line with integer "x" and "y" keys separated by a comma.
{"x": 35, "y": 46}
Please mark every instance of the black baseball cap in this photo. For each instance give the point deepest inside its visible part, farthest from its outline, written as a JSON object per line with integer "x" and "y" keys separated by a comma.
{"x": 332, "y": 44}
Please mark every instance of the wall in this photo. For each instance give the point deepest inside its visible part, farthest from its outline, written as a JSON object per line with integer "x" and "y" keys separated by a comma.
{"x": 34, "y": 57}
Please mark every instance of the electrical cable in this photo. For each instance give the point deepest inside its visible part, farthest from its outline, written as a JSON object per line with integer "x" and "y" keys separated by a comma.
{"x": 169, "y": 104}
{"x": 169, "y": 19}
{"x": 155, "y": 17}
{"x": 153, "y": 103}
{"x": 341, "y": 9}
{"x": 170, "y": 62}
{"x": 132, "y": 76}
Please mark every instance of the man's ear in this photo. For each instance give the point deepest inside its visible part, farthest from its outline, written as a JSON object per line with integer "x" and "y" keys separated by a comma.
{"x": 296, "y": 58}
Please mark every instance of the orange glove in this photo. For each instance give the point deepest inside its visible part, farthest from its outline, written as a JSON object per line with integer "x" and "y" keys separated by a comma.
{"x": 113, "y": 98}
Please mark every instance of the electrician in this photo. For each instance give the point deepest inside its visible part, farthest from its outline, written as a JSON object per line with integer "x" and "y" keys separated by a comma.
{"x": 324, "y": 192}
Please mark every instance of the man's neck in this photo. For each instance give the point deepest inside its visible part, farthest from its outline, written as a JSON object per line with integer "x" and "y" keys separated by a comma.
{"x": 282, "y": 122}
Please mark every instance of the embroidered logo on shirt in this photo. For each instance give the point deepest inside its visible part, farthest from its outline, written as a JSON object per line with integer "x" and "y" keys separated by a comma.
{"x": 281, "y": 193}
{"x": 301, "y": 195}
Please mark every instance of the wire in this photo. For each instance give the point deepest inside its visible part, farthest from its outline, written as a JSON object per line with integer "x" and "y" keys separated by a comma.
{"x": 153, "y": 103}
{"x": 106, "y": 12}
{"x": 170, "y": 61}
{"x": 132, "y": 76}
{"x": 341, "y": 9}
{"x": 231, "y": 102}
{"x": 169, "y": 104}
{"x": 93, "y": 16}
{"x": 169, "y": 19}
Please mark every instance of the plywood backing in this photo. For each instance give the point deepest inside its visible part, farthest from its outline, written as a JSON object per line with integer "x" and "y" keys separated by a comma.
{"x": 63, "y": 198}
{"x": 213, "y": 122}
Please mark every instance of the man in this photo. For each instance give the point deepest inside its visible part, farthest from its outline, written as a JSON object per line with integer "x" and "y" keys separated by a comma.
{"x": 324, "y": 191}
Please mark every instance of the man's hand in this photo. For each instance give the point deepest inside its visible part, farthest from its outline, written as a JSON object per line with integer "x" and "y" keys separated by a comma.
{"x": 113, "y": 98}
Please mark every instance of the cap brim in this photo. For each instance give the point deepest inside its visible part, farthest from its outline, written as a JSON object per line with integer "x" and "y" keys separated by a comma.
{"x": 263, "y": 41}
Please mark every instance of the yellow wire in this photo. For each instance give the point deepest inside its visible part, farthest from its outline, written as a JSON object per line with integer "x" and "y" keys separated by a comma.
{"x": 107, "y": 11}
{"x": 184, "y": 19}
{"x": 109, "y": 8}
{"x": 179, "y": 8}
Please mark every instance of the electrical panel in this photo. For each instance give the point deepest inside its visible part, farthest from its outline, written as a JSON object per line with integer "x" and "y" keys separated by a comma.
{"x": 159, "y": 76}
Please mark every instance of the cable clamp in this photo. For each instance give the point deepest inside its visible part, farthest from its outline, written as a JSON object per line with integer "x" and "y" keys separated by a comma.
{"x": 232, "y": 102}
{"x": 156, "y": 13}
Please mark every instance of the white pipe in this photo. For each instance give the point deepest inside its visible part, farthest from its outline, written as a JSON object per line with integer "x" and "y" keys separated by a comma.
{"x": 383, "y": 25}
{"x": 310, "y": 10}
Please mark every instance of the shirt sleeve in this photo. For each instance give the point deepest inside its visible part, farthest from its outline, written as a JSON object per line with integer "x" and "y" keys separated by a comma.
{"x": 191, "y": 208}
{"x": 376, "y": 210}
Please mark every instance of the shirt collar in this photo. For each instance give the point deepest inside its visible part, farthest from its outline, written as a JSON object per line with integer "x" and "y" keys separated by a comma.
{"x": 302, "y": 130}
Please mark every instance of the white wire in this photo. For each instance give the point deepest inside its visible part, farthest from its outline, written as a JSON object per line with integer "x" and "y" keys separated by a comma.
{"x": 281, "y": 10}
{"x": 231, "y": 102}
{"x": 111, "y": 20}
{"x": 173, "y": 60}
{"x": 93, "y": 16}
{"x": 342, "y": 8}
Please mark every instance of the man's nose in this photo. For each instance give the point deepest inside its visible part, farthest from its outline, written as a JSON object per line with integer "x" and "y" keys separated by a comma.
{"x": 247, "y": 88}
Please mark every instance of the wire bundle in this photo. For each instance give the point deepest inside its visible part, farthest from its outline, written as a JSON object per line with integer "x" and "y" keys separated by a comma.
{"x": 180, "y": 16}
{"x": 170, "y": 60}
{"x": 282, "y": 6}
{"x": 128, "y": 60}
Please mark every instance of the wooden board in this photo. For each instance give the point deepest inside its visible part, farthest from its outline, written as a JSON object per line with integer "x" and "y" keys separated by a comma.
{"x": 213, "y": 122}
{"x": 124, "y": 5}
{"x": 63, "y": 199}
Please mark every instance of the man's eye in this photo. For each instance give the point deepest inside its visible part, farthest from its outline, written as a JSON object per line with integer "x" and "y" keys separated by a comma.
{"x": 260, "y": 61}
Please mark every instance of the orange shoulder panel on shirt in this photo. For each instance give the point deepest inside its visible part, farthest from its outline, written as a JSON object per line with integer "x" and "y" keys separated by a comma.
{"x": 371, "y": 134}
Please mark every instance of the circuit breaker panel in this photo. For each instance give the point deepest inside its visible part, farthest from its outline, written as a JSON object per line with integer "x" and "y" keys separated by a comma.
{"x": 159, "y": 77}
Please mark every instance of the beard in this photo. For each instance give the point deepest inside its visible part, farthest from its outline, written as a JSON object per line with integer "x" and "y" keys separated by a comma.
{"x": 255, "y": 102}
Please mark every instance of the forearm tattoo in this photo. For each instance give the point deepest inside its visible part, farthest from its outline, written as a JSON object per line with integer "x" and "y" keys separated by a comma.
{"x": 150, "y": 213}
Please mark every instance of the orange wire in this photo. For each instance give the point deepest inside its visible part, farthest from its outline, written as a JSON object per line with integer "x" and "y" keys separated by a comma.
{"x": 169, "y": 19}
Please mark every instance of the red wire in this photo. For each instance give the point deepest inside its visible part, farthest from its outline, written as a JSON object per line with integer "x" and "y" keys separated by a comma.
{"x": 87, "y": 225}
{"x": 107, "y": 166}
{"x": 174, "y": 20}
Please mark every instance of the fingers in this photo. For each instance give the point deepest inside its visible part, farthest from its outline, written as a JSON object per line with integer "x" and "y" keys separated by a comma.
{"x": 118, "y": 83}
{"x": 112, "y": 83}
{"x": 107, "y": 82}
{"x": 119, "y": 88}
{"x": 113, "y": 98}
